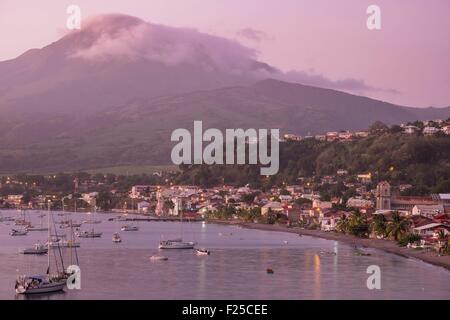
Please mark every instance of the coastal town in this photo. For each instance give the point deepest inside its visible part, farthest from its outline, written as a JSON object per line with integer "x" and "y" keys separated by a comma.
{"x": 225, "y": 158}
{"x": 345, "y": 203}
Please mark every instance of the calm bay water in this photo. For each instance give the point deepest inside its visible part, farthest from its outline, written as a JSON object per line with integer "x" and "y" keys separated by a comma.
{"x": 305, "y": 267}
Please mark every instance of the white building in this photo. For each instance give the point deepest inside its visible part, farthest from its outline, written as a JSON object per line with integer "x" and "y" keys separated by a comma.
{"x": 446, "y": 129}
{"x": 90, "y": 198}
{"x": 322, "y": 204}
{"x": 365, "y": 177}
{"x": 345, "y": 135}
{"x": 342, "y": 172}
{"x": 410, "y": 129}
{"x": 362, "y": 134}
{"x": 292, "y": 137}
{"x": 143, "y": 206}
{"x": 429, "y": 229}
{"x": 285, "y": 198}
{"x": 272, "y": 206}
{"x": 358, "y": 202}
{"x": 430, "y": 131}
{"x": 427, "y": 210}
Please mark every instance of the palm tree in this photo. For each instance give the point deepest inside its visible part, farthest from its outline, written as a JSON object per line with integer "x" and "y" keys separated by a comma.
{"x": 342, "y": 225}
{"x": 397, "y": 226}
{"x": 379, "y": 225}
{"x": 358, "y": 225}
{"x": 443, "y": 241}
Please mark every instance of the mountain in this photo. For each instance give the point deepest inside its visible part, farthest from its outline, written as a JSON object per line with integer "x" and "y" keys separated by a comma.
{"x": 115, "y": 58}
{"x": 139, "y": 132}
{"x": 112, "y": 93}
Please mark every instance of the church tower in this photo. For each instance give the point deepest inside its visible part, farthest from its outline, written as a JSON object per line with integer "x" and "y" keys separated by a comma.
{"x": 383, "y": 196}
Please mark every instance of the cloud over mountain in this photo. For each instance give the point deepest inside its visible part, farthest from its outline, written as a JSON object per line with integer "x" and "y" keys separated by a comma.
{"x": 128, "y": 38}
{"x": 252, "y": 34}
{"x": 319, "y": 80}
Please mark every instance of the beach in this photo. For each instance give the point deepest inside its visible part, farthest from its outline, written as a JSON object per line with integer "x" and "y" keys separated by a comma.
{"x": 380, "y": 244}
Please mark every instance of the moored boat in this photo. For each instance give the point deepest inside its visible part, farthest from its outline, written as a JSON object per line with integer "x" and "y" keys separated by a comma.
{"x": 38, "y": 248}
{"x": 39, "y": 284}
{"x": 116, "y": 238}
{"x": 7, "y": 219}
{"x": 176, "y": 245}
{"x": 129, "y": 228}
{"x": 37, "y": 229}
{"x": 92, "y": 221}
{"x": 15, "y": 232}
{"x": 64, "y": 244}
{"x": 44, "y": 283}
{"x": 203, "y": 252}
{"x": 89, "y": 234}
{"x": 158, "y": 258}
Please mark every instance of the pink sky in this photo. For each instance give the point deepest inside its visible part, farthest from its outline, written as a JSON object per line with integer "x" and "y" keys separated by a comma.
{"x": 409, "y": 55}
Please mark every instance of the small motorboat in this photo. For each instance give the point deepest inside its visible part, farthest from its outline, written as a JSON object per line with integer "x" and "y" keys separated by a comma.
{"x": 37, "y": 229}
{"x": 360, "y": 253}
{"x": 89, "y": 234}
{"x": 15, "y": 232}
{"x": 269, "y": 271}
{"x": 92, "y": 221}
{"x": 158, "y": 258}
{"x": 7, "y": 219}
{"x": 38, "y": 248}
{"x": 68, "y": 224}
{"x": 176, "y": 245}
{"x": 64, "y": 244}
{"x": 129, "y": 228}
{"x": 203, "y": 252}
{"x": 116, "y": 238}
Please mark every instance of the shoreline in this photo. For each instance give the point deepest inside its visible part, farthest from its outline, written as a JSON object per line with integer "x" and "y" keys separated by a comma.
{"x": 388, "y": 246}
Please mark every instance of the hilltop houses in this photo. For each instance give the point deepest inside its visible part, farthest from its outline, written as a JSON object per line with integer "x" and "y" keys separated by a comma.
{"x": 429, "y": 131}
{"x": 410, "y": 129}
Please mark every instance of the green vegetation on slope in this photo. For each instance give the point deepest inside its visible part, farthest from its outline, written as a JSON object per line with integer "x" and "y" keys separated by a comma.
{"x": 421, "y": 161}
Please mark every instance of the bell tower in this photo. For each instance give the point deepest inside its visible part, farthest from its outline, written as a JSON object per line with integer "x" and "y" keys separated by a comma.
{"x": 383, "y": 196}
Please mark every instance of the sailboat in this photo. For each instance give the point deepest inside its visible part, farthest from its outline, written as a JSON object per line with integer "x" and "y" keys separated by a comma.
{"x": 22, "y": 221}
{"x": 129, "y": 227}
{"x": 5, "y": 219}
{"x": 177, "y": 243}
{"x": 38, "y": 248}
{"x": 40, "y": 228}
{"x": 16, "y": 232}
{"x": 91, "y": 233}
{"x": 46, "y": 283}
{"x": 116, "y": 235}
